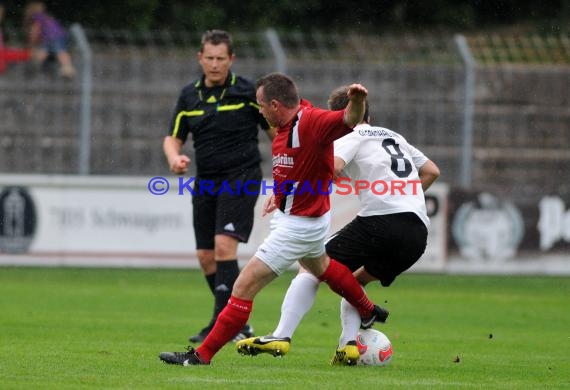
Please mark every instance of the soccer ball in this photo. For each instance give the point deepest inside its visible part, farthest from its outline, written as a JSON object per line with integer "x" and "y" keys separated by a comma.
{"x": 374, "y": 347}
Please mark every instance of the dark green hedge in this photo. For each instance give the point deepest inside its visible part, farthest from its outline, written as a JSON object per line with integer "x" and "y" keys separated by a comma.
{"x": 325, "y": 15}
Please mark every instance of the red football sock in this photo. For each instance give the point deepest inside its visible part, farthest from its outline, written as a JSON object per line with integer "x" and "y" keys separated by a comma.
{"x": 230, "y": 321}
{"x": 342, "y": 281}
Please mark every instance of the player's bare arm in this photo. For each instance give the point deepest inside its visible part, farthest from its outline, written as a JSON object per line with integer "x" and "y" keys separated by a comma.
{"x": 268, "y": 205}
{"x": 339, "y": 165}
{"x": 428, "y": 173}
{"x": 177, "y": 162}
{"x": 354, "y": 112}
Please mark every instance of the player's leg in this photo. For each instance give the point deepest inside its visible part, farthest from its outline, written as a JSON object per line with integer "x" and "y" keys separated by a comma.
{"x": 255, "y": 275}
{"x": 227, "y": 271}
{"x": 297, "y": 302}
{"x": 204, "y": 222}
{"x": 220, "y": 269}
{"x": 207, "y": 263}
{"x": 347, "y": 352}
{"x": 342, "y": 281}
{"x": 291, "y": 238}
{"x": 272, "y": 258}
{"x": 354, "y": 245}
{"x": 386, "y": 246}
{"x": 349, "y": 317}
{"x": 234, "y": 223}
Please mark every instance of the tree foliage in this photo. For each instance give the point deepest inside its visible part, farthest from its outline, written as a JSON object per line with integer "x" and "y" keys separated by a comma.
{"x": 324, "y": 15}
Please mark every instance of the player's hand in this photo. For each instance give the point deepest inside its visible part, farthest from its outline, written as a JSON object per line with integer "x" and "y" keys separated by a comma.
{"x": 179, "y": 164}
{"x": 357, "y": 93}
{"x": 269, "y": 205}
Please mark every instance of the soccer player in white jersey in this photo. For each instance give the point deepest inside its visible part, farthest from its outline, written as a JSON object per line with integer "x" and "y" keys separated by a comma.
{"x": 387, "y": 237}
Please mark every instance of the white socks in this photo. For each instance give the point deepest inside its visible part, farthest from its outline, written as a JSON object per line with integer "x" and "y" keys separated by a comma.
{"x": 297, "y": 302}
{"x": 350, "y": 322}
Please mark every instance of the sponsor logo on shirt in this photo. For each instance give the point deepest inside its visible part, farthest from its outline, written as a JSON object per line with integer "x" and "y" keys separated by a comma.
{"x": 283, "y": 160}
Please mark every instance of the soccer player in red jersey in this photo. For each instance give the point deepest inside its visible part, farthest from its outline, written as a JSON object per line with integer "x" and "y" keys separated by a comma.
{"x": 302, "y": 172}
{"x": 388, "y": 235}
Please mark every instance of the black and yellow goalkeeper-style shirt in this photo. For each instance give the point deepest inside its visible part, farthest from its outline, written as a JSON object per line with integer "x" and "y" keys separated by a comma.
{"x": 223, "y": 121}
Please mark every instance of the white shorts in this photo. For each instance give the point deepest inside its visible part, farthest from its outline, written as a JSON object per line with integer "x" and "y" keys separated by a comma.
{"x": 293, "y": 238}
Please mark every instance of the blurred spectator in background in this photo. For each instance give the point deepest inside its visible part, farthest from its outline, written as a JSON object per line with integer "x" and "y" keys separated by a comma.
{"x": 46, "y": 37}
{"x": 2, "y": 60}
{"x": 2, "y": 54}
{"x": 8, "y": 55}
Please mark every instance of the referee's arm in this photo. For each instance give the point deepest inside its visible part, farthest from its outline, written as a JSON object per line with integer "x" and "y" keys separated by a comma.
{"x": 178, "y": 163}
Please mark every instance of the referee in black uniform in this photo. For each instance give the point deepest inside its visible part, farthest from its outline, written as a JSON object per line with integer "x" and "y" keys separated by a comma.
{"x": 220, "y": 111}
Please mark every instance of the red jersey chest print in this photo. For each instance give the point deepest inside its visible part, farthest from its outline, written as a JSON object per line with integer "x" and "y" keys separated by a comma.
{"x": 303, "y": 160}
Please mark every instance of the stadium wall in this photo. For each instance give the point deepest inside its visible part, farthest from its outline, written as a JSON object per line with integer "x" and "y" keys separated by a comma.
{"x": 521, "y": 121}
{"x": 104, "y": 221}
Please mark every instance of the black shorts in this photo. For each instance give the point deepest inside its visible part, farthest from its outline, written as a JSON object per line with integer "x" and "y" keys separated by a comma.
{"x": 386, "y": 245}
{"x": 225, "y": 205}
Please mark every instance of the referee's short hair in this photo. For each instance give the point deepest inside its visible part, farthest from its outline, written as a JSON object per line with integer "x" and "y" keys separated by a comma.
{"x": 217, "y": 37}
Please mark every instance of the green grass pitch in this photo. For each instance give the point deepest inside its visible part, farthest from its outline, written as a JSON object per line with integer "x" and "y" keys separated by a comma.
{"x": 65, "y": 328}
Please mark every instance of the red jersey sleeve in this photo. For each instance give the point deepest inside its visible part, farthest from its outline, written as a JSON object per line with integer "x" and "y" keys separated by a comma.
{"x": 328, "y": 125}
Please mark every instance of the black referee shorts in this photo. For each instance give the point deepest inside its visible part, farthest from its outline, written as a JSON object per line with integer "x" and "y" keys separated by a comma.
{"x": 386, "y": 245}
{"x": 225, "y": 205}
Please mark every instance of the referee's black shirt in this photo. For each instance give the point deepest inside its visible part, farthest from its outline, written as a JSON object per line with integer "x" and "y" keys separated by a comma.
{"x": 223, "y": 121}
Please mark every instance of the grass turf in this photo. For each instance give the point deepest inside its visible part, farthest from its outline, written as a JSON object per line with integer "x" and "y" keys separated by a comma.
{"x": 64, "y": 328}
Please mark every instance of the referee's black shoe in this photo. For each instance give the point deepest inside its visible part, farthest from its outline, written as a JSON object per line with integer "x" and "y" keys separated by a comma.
{"x": 378, "y": 315}
{"x": 200, "y": 336}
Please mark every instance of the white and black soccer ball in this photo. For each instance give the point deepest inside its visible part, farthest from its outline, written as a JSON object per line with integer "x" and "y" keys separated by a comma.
{"x": 374, "y": 347}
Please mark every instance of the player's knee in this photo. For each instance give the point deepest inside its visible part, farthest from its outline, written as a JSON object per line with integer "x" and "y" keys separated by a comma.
{"x": 317, "y": 267}
{"x": 225, "y": 247}
{"x": 307, "y": 275}
{"x": 244, "y": 287}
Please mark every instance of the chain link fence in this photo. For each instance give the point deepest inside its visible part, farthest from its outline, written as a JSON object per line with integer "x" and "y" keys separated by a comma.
{"x": 521, "y": 116}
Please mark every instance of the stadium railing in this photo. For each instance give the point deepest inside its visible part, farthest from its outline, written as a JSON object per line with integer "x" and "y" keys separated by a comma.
{"x": 521, "y": 122}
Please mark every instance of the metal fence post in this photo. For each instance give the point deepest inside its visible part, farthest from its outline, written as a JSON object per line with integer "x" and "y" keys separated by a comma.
{"x": 466, "y": 170}
{"x": 278, "y": 51}
{"x": 85, "y": 110}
